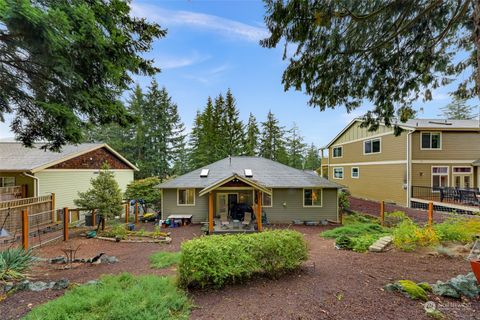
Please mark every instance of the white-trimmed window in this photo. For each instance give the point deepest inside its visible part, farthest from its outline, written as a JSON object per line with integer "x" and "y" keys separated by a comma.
{"x": 7, "y": 181}
{"x": 372, "y": 146}
{"x": 338, "y": 173}
{"x": 440, "y": 177}
{"x": 355, "y": 172}
{"x": 312, "y": 197}
{"x": 337, "y": 152}
{"x": 267, "y": 199}
{"x": 462, "y": 170}
{"x": 431, "y": 141}
{"x": 186, "y": 197}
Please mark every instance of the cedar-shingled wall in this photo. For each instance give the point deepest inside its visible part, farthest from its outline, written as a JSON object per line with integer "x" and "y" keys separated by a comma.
{"x": 93, "y": 160}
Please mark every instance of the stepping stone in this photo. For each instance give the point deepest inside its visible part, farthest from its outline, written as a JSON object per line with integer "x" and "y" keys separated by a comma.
{"x": 380, "y": 244}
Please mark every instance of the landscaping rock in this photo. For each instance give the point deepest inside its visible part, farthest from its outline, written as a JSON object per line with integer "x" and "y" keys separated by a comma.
{"x": 92, "y": 282}
{"x": 60, "y": 259}
{"x": 461, "y": 285}
{"x": 40, "y": 286}
{"x": 409, "y": 288}
{"x": 108, "y": 259}
{"x": 380, "y": 244}
{"x": 61, "y": 284}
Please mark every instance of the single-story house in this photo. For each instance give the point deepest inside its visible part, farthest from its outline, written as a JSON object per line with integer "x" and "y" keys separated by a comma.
{"x": 35, "y": 172}
{"x": 282, "y": 193}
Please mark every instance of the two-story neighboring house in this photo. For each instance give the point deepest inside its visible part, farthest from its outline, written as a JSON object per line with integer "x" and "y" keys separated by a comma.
{"x": 428, "y": 156}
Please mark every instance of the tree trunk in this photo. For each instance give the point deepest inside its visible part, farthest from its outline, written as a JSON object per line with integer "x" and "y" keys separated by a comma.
{"x": 476, "y": 39}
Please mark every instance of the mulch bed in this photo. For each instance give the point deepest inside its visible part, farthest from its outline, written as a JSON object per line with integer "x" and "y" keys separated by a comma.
{"x": 333, "y": 285}
{"x": 373, "y": 208}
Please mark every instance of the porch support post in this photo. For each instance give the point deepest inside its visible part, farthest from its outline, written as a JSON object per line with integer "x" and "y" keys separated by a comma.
{"x": 259, "y": 211}
{"x": 210, "y": 213}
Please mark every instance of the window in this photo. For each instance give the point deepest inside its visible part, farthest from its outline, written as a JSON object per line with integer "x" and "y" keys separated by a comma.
{"x": 338, "y": 173}
{"x": 337, "y": 152}
{"x": 7, "y": 181}
{"x": 439, "y": 177}
{"x": 266, "y": 199}
{"x": 355, "y": 172}
{"x": 312, "y": 197}
{"x": 204, "y": 173}
{"x": 371, "y": 146}
{"x": 431, "y": 140}
{"x": 186, "y": 197}
{"x": 462, "y": 170}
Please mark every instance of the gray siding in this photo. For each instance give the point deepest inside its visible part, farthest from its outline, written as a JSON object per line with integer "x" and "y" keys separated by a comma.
{"x": 199, "y": 211}
{"x": 294, "y": 209}
{"x": 293, "y": 198}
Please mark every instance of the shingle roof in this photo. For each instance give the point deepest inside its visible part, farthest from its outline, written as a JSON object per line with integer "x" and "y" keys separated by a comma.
{"x": 15, "y": 157}
{"x": 266, "y": 172}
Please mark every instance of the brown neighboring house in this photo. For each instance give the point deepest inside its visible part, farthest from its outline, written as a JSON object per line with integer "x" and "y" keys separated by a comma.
{"x": 431, "y": 159}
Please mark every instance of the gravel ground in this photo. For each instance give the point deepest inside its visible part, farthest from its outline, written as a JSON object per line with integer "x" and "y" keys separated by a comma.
{"x": 333, "y": 284}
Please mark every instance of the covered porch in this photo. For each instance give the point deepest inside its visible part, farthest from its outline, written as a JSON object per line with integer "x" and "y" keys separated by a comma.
{"x": 235, "y": 205}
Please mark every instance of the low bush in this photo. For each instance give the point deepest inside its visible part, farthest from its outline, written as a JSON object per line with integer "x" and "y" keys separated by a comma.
{"x": 213, "y": 261}
{"x": 121, "y": 296}
{"x": 394, "y": 218}
{"x": 15, "y": 263}
{"x": 458, "y": 229}
{"x": 164, "y": 259}
{"x": 357, "y": 234}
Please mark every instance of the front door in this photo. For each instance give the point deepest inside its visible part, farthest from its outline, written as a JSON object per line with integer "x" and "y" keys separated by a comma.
{"x": 225, "y": 202}
{"x": 462, "y": 181}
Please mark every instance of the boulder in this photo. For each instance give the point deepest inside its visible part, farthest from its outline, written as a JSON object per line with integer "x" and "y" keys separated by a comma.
{"x": 108, "y": 259}
{"x": 461, "y": 285}
{"x": 61, "y": 284}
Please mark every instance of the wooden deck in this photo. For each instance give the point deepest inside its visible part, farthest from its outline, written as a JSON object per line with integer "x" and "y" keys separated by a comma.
{"x": 226, "y": 229}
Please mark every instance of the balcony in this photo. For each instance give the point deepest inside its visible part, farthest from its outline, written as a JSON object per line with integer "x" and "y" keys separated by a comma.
{"x": 13, "y": 192}
{"x": 457, "y": 199}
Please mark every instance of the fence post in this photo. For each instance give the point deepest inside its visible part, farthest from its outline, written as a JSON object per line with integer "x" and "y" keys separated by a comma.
{"x": 94, "y": 217}
{"x": 430, "y": 213}
{"x": 53, "y": 207}
{"x": 65, "y": 224}
{"x": 25, "y": 229}
{"x": 382, "y": 212}
{"x": 136, "y": 212}
{"x": 126, "y": 212}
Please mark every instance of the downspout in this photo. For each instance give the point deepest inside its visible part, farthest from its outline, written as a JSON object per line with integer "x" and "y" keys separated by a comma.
{"x": 409, "y": 167}
{"x": 36, "y": 185}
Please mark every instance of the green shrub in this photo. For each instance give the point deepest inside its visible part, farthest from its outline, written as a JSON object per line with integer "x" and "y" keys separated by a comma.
{"x": 343, "y": 200}
{"x": 118, "y": 297}
{"x": 405, "y": 235}
{"x": 413, "y": 290}
{"x": 14, "y": 263}
{"x": 458, "y": 229}
{"x": 118, "y": 230}
{"x": 394, "y": 218}
{"x": 354, "y": 230}
{"x": 164, "y": 259}
{"x": 218, "y": 260}
{"x": 363, "y": 242}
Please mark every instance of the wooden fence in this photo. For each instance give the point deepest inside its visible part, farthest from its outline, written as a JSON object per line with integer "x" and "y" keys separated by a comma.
{"x": 29, "y": 221}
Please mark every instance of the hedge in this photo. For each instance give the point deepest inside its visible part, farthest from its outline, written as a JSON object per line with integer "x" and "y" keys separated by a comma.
{"x": 213, "y": 261}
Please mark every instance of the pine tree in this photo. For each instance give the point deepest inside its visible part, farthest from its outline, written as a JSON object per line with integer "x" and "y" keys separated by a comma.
{"x": 104, "y": 195}
{"x": 252, "y": 137}
{"x": 312, "y": 158}
{"x": 218, "y": 138}
{"x": 295, "y": 148}
{"x": 458, "y": 110}
{"x": 272, "y": 142}
{"x": 177, "y": 142}
{"x": 231, "y": 129}
{"x": 197, "y": 148}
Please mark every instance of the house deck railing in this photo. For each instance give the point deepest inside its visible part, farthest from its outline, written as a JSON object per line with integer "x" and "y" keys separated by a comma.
{"x": 11, "y": 193}
{"x": 466, "y": 197}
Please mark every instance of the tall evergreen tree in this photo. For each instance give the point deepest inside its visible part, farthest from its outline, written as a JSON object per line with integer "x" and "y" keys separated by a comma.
{"x": 177, "y": 142}
{"x": 198, "y": 150}
{"x": 312, "y": 158}
{"x": 218, "y": 138}
{"x": 295, "y": 148}
{"x": 458, "y": 110}
{"x": 272, "y": 142}
{"x": 252, "y": 137}
{"x": 231, "y": 129}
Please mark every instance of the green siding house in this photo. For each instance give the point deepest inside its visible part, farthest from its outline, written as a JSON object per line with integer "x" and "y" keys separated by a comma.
{"x": 285, "y": 193}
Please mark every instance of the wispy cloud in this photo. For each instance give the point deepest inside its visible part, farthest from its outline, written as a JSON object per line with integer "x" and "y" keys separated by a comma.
{"x": 169, "y": 62}
{"x": 210, "y": 75}
{"x": 223, "y": 26}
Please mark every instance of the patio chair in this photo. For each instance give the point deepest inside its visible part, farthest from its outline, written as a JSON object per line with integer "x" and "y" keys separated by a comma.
{"x": 247, "y": 218}
{"x": 224, "y": 219}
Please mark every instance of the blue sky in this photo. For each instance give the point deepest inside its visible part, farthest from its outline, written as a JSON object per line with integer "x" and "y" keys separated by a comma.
{"x": 213, "y": 45}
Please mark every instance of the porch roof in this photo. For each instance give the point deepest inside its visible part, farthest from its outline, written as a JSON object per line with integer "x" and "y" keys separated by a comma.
{"x": 248, "y": 181}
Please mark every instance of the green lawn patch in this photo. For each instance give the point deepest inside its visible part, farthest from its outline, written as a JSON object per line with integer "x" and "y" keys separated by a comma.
{"x": 164, "y": 259}
{"x": 118, "y": 297}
